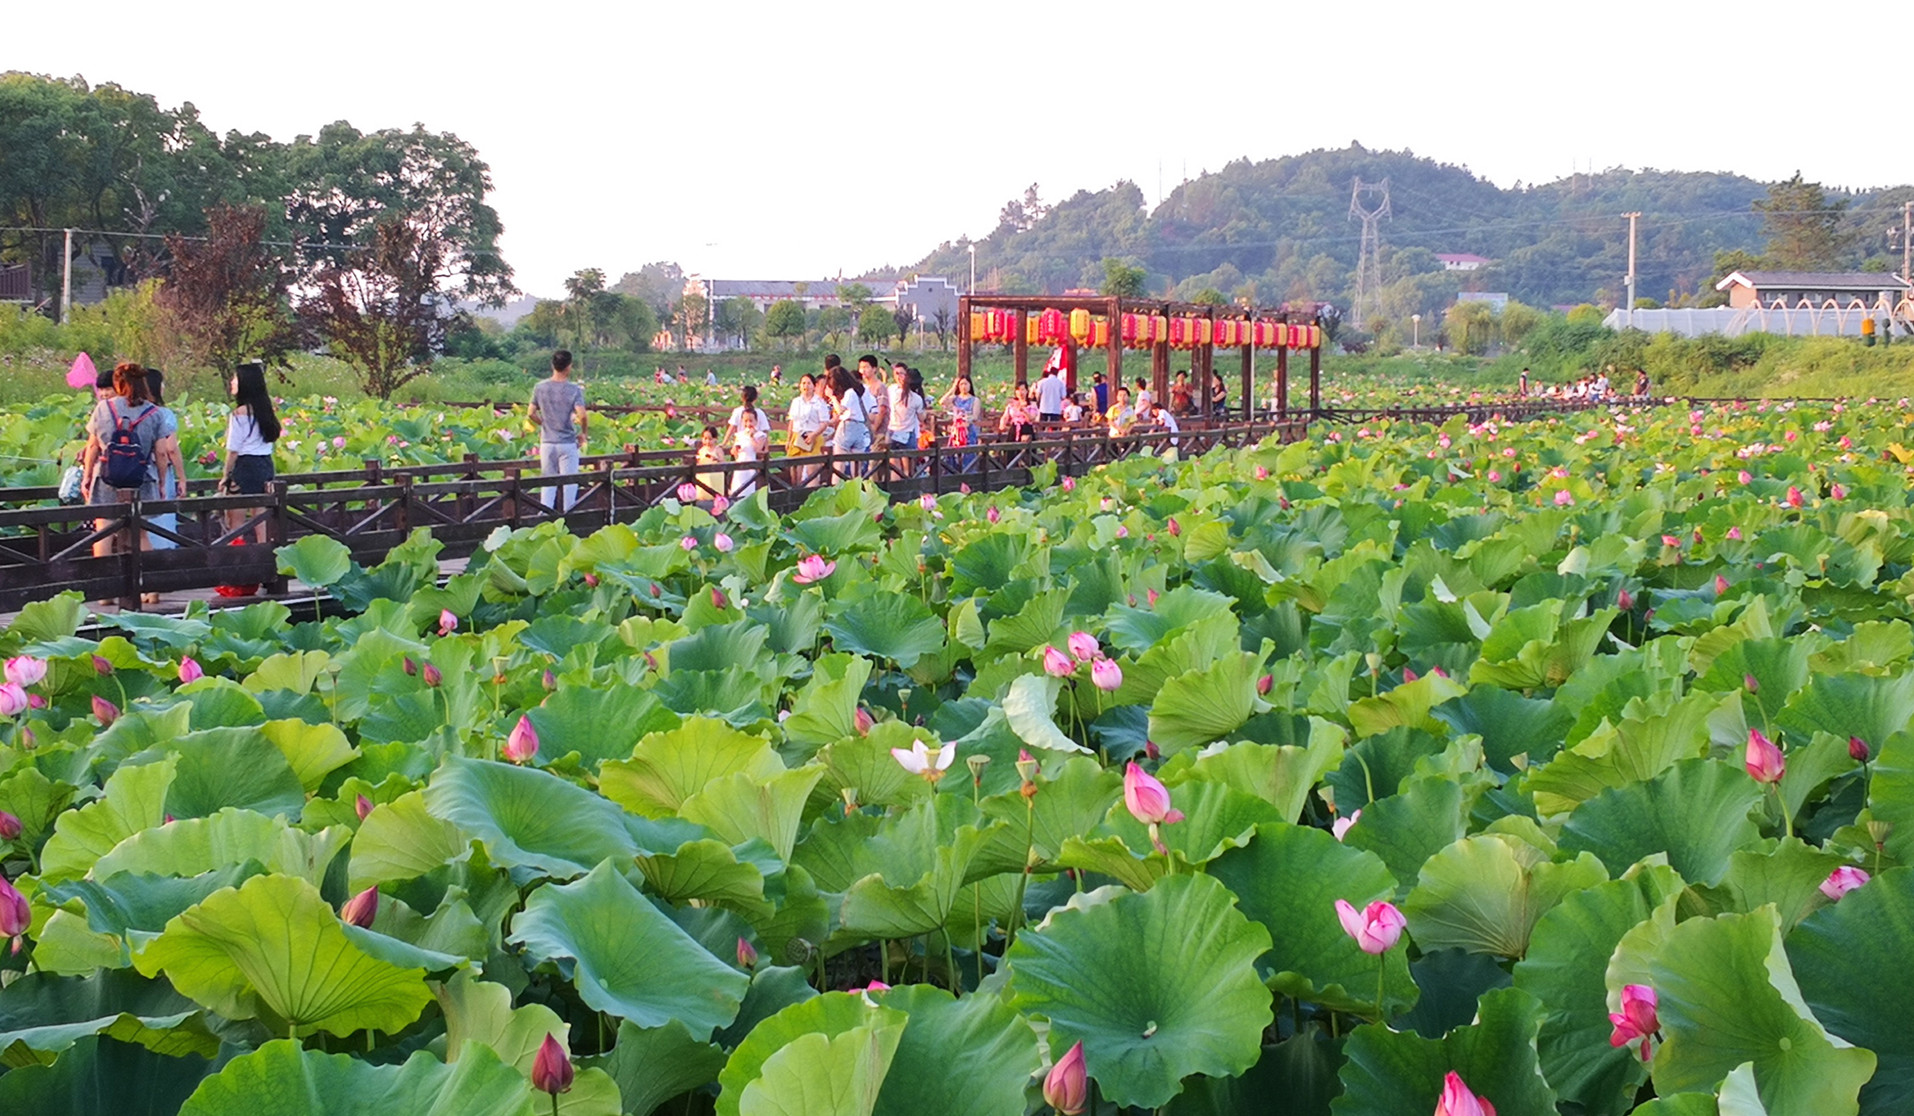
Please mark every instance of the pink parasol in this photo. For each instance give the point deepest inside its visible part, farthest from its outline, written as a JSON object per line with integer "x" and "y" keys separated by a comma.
{"x": 82, "y": 374}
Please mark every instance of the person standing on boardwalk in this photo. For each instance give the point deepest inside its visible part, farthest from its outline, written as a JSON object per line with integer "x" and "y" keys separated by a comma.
{"x": 1050, "y": 393}
{"x": 558, "y": 407}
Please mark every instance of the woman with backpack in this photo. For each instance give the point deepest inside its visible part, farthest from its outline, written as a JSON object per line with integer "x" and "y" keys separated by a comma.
{"x": 251, "y": 430}
{"x": 123, "y": 448}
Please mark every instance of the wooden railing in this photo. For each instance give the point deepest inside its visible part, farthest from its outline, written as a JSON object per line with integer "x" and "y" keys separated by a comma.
{"x": 47, "y": 549}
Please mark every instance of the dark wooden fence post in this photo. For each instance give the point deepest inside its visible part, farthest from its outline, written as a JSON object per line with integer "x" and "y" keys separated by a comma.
{"x": 276, "y": 521}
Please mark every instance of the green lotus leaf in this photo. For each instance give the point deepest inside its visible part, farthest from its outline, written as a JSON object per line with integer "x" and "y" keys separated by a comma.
{"x": 1405, "y": 706}
{"x": 294, "y": 671}
{"x": 198, "y": 845}
{"x": 1727, "y": 996}
{"x": 237, "y": 768}
{"x": 43, "y": 1015}
{"x": 479, "y": 1014}
{"x": 835, "y": 1075}
{"x": 1509, "y": 724}
{"x": 134, "y": 799}
{"x": 651, "y": 1065}
{"x": 1029, "y": 707}
{"x": 978, "y": 1040}
{"x": 54, "y": 618}
{"x": 1217, "y": 818}
{"x": 741, "y": 807}
{"x": 1854, "y": 960}
{"x": 1788, "y": 876}
{"x": 1696, "y": 812}
{"x": 1844, "y": 705}
{"x": 1195, "y": 708}
{"x": 317, "y": 560}
{"x": 599, "y": 723}
{"x": 1288, "y": 880}
{"x": 1871, "y": 648}
{"x": 280, "y": 1079}
{"x": 1484, "y": 893}
{"x": 904, "y": 880}
{"x": 313, "y": 751}
{"x": 401, "y": 840}
{"x": 273, "y": 946}
{"x": 1647, "y": 739}
{"x": 1175, "y": 990}
{"x": 1071, "y": 801}
{"x": 838, "y": 534}
{"x": 526, "y": 818}
{"x": 99, "y": 1076}
{"x": 894, "y": 626}
{"x": 866, "y": 764}
{"x": 1136, "y": 630}
{"x": 666, "y": 768}
{"x": 1778, "y": 666}
{"x": 1407, "y": 828}
{"x": 1389, "y": 1073}
{"x": 1280, "y": 774}
{"x": 707, "y": 871}
{"x": 36, "y": 800}
{"x": 625, "y": 956}
{"x": 131, "y": 903}
{"x": 220, "y": 703}
{"x": 828, "y": 1016}
{"x": 1566, "y": 969}
{"x": 825, "y": 710}
{"x": 1890, "y": 794}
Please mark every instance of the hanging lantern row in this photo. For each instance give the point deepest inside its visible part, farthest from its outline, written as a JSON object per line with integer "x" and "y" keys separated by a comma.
{"x": 1141, "y": 331}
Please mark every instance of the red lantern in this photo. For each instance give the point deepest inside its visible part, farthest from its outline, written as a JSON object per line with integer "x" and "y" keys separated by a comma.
{"x": 1126, "y": 330}
{"x": 1051, "y": 327}
{"x": 1223, "y": 333}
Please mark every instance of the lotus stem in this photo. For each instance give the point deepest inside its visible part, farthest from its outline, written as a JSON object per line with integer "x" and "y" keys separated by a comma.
{"x": 977, "y": 917}
{"x": 1023, "y": 880}
{"x": 1382, "y": 973}
{"x": 1787, "y": 822}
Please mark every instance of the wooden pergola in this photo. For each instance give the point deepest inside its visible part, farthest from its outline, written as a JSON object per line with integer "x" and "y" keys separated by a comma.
{"x": 1111, "y": 309}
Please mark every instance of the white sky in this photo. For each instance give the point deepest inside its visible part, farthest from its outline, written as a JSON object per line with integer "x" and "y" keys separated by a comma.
{"x": 791, "y": 140}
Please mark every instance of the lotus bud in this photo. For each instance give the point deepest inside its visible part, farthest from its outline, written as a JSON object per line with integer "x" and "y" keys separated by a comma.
{"x": 687, "y": 493}
{"x": 1858, "y": 749}
{"x": 1836, "y": 492}
{"x": 1375, "y": 928}
{"x": 101, "y": 666}
{"x": 1150, "y": 750}
{"x": 1069, "y": 484}
{"x": 651, "y": 660}
{"x": 1106, "y": 675}
{"x": 717, "y": 598}
{"x": 25, "y": 670}
{"x": 362, "y": 806}
{"x": 36, "y": 701}
{"x": 720, "y": 505}
{"x": 1262, "y": 472}
{"x": 747, "y": 955}
{"x": 722, "y": 542}
{"x": 521, "y": 744}
{"x": 688, "y": 543}
{"x": 1264, "y": 684}
{"x": 993, "y": 515}
{"x": 1083, "y": 646}
{"x": 1843, "y": 880}
{"x": 105, "y": 711}
{"x": 1409, "y": 675}
{"x": 1764, "y": 761}
{"x": 406, "y": 664}
{"x": 448, "y": 622}
{"x": 1172, "y": 527}
{"x": 9, "y": 826}
{"x": 1624, "y": 600}
{"x": 1438, "y": 672}
{"x": 862, "y": 721}
{"x": 1057, "y": 664}
{"x": 1340, "y": 827}
{"x": 1721, "y": 585}
{"x": 1794, "y": 497}
{"x": 1151, "y": 596}
{"x": 1734, "y": 534}
{"x": 874, "y": 986}
{"x": 26, "y": 739}
{"x": 1066, "y": 1087}
{"x": 13, "y": 700}
{"x": 361, "y": 909}
{"x": 552, "y": 1069}
{"x": 1750, "y": 683}
{"x": 431, "y": 675}
{"x": 15, "y": 913}
{"x": 190, "y": 671}
{"x": 1457, "y": 1100}
{"x": 1147, "y": 798}
{"x": 1132, "y": 600}
{"x": 657, "y": 590}
{"x": 1637, "y": 1019}
{"x": 591, "y": 581}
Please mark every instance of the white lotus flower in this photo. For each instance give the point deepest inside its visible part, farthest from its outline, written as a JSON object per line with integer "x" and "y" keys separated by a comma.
{"x": 925, "y": 763}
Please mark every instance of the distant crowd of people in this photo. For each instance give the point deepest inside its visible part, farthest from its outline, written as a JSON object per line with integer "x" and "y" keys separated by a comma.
{"x": 1596, "y": 387}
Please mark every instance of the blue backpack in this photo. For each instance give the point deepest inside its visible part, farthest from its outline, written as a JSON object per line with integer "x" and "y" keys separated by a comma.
{"x": 127, "y": 459}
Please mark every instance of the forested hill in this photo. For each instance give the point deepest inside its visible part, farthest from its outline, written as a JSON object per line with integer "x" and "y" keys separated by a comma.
{"x": 1281, "y": 229}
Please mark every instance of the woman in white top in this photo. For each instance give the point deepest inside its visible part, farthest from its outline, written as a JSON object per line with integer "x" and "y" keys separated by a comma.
{"x": 251, "y": 430}
{"x": 809, "y": 417}
{"x": 852, "y": 433}
{"x": 749, "y": 446}
{"x": 750, "y": 403}
{"x": 906, "y": 415}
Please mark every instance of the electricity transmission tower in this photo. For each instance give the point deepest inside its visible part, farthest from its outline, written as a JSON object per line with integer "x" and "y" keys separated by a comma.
{"x": 1369, "y": 260}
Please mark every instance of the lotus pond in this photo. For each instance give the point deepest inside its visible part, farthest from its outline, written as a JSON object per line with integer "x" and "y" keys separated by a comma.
{"x": 1553, "y": 768}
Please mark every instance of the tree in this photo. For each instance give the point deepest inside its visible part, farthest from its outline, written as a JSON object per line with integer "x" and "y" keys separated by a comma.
{"x": 226, "y": 295}
{"x": 738, "y": 319}
{"x": 854, "y": 295}
{"x": 874, "y": 325}
{"x": 783, "y": 321}
{"x": 833, "y": 322}
{"x": 692, "y": 318}
{"x": 902, "y": 318}
{"x": 941, "y": 321}
{"x": 657, "y": 284}
{"x": 1802, "y": 226}
{"x": 582, "y": 291}
{"x": 1518, "y": 321}
{"x": 1471, "y": 327}
{"x": 381, "y": 310}
{"x": 1210, "y": 296}
{"x": 1122, "y": 280}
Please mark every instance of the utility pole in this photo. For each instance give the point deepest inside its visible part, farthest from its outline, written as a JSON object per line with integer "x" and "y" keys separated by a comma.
{"x": 66, "y": 278}
{"x": 1907, "y": 241}
{"x": 1369, "y": 257}
{"x": 1631, "y": 266}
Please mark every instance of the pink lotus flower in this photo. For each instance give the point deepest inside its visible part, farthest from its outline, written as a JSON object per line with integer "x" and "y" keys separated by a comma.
{"x": 1148, "y": 800}
{"x": 25, "y": 670}
{"x": 1150, "y": 595}
{"x": 1836, "y": 492}
{"x": 722, "y": 543}
{"x": 687, "y": 544}
{"x": 720, "y": 505}
{"x": 1084, "y": 646}
{"x": 1262, "y": 473}
{"x": 1858, "y": 749}
{"x": 1066, "y": 1087}
{"x": 813, "y": 568}
{"x": 1624, "y": 600}
{"x": 1721, "y": 585}
{"x": 1106, "y": 675}
{"x": 1671, "y": 540}
{"x": 687, "y": 493}
{"x": 448, "y": 622}
{"x": 927, "y": 502}
{"x": 1057, "y": 664}
{"x": 361, "y": 909}
{"x": 1376, "y": 927}
{"x": 1264, "y": 684}
{"x": 874, "y": 986}
{"x": 928, "y": 764}
{"x": 992, "y": 514}
{"x": 552, "y": 1070}
{"x": 1563, "y": 499}
{"x": 1764, "y": 761}
{"x": 717, "y": 598}
{"x": 10, "y": 826}
{"x": 1340, "y": 827}
{"x": 1172, "y": 527}
{"x": 862, "y": 721}
{"x": 15, "y": 913}
{"x": 1408, "y": 676}
{"x": 1734, "y": 534}
{"x": 1794, "y": 497}
{"x": 363, "y": 807}
{"x": 101, "y": 666}
{"x": 1457, "y": 1100}
{"x": 190, "y": 670}
{"x": 1122, "y": 532}
{"x": 1843, "y": 880}
{"x": 1636, "y": 1020}
{"x": 1069, "y": 484}
{"x": 432, "y": 676}
{"x": 747, "y": 955}
{"x": 105, "y": 711}
{"x": 13, "y": 700}
{"x": 521, "y": 744}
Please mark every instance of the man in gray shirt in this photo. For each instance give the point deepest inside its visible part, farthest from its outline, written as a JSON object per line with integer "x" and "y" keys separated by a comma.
{"x": 558, "y": 407}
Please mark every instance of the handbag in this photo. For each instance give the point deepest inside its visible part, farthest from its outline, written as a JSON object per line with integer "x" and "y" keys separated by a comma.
{"x": 70, "y": 483}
